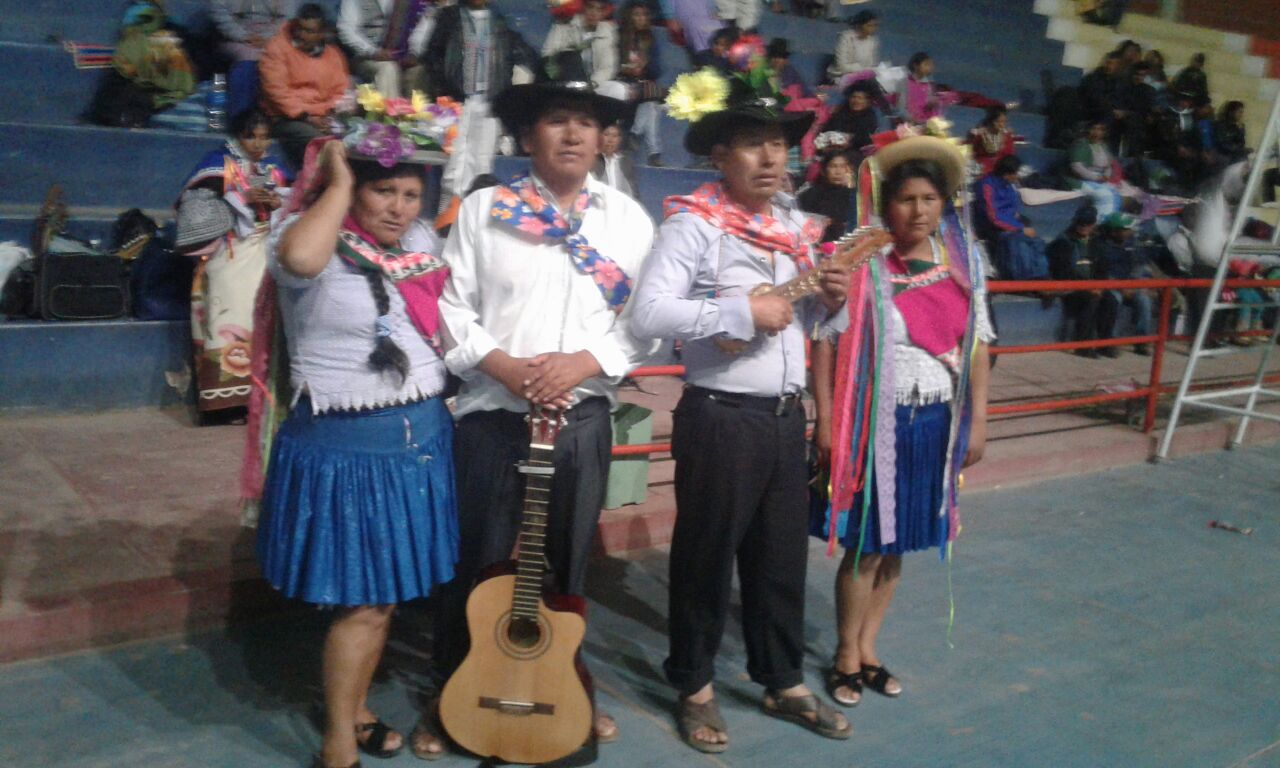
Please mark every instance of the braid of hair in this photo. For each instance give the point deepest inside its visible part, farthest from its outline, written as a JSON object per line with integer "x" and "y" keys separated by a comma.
{"x": 386, "y": 353}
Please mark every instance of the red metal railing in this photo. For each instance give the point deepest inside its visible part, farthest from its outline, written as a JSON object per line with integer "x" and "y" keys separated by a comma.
{"x": 1159, "y": 340}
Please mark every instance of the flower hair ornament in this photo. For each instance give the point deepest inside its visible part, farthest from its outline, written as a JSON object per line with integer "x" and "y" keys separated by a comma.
{"x": 390, "y": 131}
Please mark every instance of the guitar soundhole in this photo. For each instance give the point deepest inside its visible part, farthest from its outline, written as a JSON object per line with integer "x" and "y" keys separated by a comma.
{"x": 524, "y": 634}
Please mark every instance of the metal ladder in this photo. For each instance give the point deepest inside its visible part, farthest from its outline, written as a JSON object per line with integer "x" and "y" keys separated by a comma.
{"x": 1268, "y": 149}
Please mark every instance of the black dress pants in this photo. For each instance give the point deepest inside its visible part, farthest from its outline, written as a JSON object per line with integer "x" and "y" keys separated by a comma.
{"x": 487, "y": 445}
{"x": 741, "y": 495}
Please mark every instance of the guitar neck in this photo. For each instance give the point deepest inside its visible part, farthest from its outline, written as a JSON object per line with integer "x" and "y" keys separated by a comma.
{"x": 852, "y": 251}
{"x": 531, "y": 563}
{"x": 795, "y": 289}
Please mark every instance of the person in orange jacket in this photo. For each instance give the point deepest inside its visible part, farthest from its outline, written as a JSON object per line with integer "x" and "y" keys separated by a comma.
{"x": 303, "y": 77}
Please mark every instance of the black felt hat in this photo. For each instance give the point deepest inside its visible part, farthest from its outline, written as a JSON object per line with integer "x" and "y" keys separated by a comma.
{"x": 745, "y": 107}
{"x": 561, "y": 79}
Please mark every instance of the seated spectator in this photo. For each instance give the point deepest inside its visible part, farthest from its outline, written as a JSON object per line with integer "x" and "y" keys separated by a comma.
{"x": 386, "y": 39}
{"x": 244, "y": 27}
{"x": 858, "y": 48}
{"x": 1192, "y": 79}
{"x": 1106, "y": 13}
{"x": 698, "y": 22}
{"x": 1249, "y": 315}
{"x": 717, "y": 56}
{"x": 855, "y": 119}
{"x": 150, "y": 71}
{"x": 831, "y": 195}
{"x": 920, "y": 98}
{"x": 1180, "y": 143}
{"x": 303, "y": 77}
{"x": 1098, "y": 89}
{"x": 1130, "y": 54}
{"x": 1115, "y": 258}
{"x": 638, "y": 70}
{"x": 593, "y": 37}
{"x": 789, "y": 82}
{"x": 992, "y": 140}
{"x": 1156, "y": 77}
{"x": 1135, "y": 113}
{"x": 1229, "y": 133}
{"x": 1016, "y": 250}
{"x": 614, "y": 167}
{"x": 224, "y": 216}
{"x": 1070, "y": 259}
{"x": 1093, "y": 169}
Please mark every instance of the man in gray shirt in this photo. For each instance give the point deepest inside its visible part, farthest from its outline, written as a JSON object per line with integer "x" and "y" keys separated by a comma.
{"x": 739, "y": 430}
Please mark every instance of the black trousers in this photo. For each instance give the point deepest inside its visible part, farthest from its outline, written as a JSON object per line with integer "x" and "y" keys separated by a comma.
{"x": 487, "y": 445}
{"x": 1087, "y": 316}
{"x": 741, "y": 494}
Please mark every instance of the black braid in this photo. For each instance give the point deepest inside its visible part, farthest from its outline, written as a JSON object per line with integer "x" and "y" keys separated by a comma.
{"x": 386, "y": 353}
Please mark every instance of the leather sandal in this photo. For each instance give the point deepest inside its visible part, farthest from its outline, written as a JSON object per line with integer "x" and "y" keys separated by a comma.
{"x": 375, "y": 743}
{"x": 796, "y": 709}
{"x": 878, "y": 678}
{"x": 692, "y": 716}
{"x": 835, "y": 680}
{"x": 429, "y": 725}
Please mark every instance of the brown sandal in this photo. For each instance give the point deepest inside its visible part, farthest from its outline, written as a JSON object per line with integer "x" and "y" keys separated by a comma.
{"x": 796, "y": 709}
{"x": 692, "y": 716}
{"x": 429, "y": 725}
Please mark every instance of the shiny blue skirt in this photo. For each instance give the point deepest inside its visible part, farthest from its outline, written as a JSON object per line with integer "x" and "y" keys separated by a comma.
{"x": 920, "y": 433}
{"x": 359, "y": 507}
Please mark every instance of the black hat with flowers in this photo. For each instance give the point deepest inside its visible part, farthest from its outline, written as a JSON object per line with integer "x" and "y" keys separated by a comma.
{"x": 743, "y": 106}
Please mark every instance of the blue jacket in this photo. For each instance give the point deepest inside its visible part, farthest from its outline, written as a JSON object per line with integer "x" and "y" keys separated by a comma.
{"x": 998, "y": 206}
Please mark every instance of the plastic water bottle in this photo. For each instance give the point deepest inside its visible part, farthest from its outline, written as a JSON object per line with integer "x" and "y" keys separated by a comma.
{"x": 215, "y": 104}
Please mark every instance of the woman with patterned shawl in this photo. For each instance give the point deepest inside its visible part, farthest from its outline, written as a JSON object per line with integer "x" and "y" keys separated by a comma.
{"x": 224, "y": 214}
{"x": 357, "y": 506}
{"x": 901, "y": 396}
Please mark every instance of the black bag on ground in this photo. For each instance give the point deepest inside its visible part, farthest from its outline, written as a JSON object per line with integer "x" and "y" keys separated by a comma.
{"x": 74, "y": 281}
{"x": 160, "y": 285}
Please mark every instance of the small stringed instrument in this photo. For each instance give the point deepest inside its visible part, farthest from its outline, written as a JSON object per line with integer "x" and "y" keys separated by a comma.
{"x": 519, "y": 695}
{"x": 852, "y": 251}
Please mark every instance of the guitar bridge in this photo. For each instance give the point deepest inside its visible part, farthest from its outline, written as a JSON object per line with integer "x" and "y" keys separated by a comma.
{"x": 518, "y": 708}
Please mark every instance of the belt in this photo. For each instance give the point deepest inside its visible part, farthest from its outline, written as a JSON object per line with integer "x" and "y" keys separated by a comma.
{"x": 779, "y": 406}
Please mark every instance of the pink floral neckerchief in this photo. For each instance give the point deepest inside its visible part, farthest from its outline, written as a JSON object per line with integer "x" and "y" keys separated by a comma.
{"x": 709, "y": 202}
{"x": 519, "y": 205}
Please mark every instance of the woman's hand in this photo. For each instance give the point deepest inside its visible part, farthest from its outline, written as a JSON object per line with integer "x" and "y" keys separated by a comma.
{"x": 977, "y": 442}
{"x": 822, "y": 441}
{"x": 334, "y": 166}
{"x": 265, "y": 198}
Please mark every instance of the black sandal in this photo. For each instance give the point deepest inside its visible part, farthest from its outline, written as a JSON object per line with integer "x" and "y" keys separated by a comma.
{"x": 375, "y": 744}
{"x": 877, "y": 679}
{"x": 690, "y": 717}
{"x": 836, "y": 680}
{"x": 796, "y": 708}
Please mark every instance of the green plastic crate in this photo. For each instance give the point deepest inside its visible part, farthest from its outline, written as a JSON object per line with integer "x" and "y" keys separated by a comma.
{"x": 629, "y": 475}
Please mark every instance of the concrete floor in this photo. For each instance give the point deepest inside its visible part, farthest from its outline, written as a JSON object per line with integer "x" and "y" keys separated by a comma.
{"x": 1099, "y": 621}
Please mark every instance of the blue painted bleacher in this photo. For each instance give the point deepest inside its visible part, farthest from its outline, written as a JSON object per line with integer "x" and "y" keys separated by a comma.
{"x": 123, "y": 364}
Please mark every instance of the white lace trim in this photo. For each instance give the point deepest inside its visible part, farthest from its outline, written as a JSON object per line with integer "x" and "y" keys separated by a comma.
{"x": 323, "y": 402}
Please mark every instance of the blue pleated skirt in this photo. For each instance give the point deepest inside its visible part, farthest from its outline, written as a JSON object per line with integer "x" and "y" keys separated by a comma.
{"x": 921, "y": 433}
{"x": 359, "y": 508}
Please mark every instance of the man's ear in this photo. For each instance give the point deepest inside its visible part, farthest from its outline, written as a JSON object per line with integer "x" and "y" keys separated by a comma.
{"x": 718, "y": 154}
{"x": 526, "y": 139}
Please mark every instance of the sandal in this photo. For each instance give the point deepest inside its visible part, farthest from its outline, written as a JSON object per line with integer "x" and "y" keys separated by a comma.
{"x": 836, "y": 680}
{"x": 692, "y": 716}
{"x": 375, "y": 743}
{"x": 428, "y": 725}
{"x": 608, "y": 738}
{"x": 878, "y": 679}
{"x": 796, "y": 709}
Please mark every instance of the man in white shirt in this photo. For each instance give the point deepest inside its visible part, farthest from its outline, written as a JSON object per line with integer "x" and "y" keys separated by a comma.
{"x": 595, "y": 39}
{"x": 536, "y": 314}
{"x": 386, "y": 40}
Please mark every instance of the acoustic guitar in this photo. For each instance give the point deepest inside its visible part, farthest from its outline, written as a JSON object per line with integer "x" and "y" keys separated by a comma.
{"x": 852, "y": 251}
{"x": 519, "y": 695}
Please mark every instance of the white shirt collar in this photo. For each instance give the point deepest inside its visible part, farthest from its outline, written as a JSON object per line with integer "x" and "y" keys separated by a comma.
{"x": 594, "y": 187}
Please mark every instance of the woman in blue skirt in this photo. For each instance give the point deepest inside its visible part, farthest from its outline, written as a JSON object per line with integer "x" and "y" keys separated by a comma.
{"x": 357, "y": 509}
{"x": 901, "y": 397}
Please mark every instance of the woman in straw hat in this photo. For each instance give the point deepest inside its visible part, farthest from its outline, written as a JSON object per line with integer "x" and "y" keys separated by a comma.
{"x": 901, "y": 396}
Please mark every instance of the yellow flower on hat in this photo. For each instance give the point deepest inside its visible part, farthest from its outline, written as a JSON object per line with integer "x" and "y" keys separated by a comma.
{"x": 937, "y": 126}
{"x": 418, "y": 100}
{"x": 697, "y": 94}
{"x": 370, "y": 100}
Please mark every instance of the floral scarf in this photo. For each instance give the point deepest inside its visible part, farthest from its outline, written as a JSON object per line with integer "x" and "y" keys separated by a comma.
{"x": 710, "y": 203}
{"x": 519, "y": 206}
{"x": 419, "y": 277}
